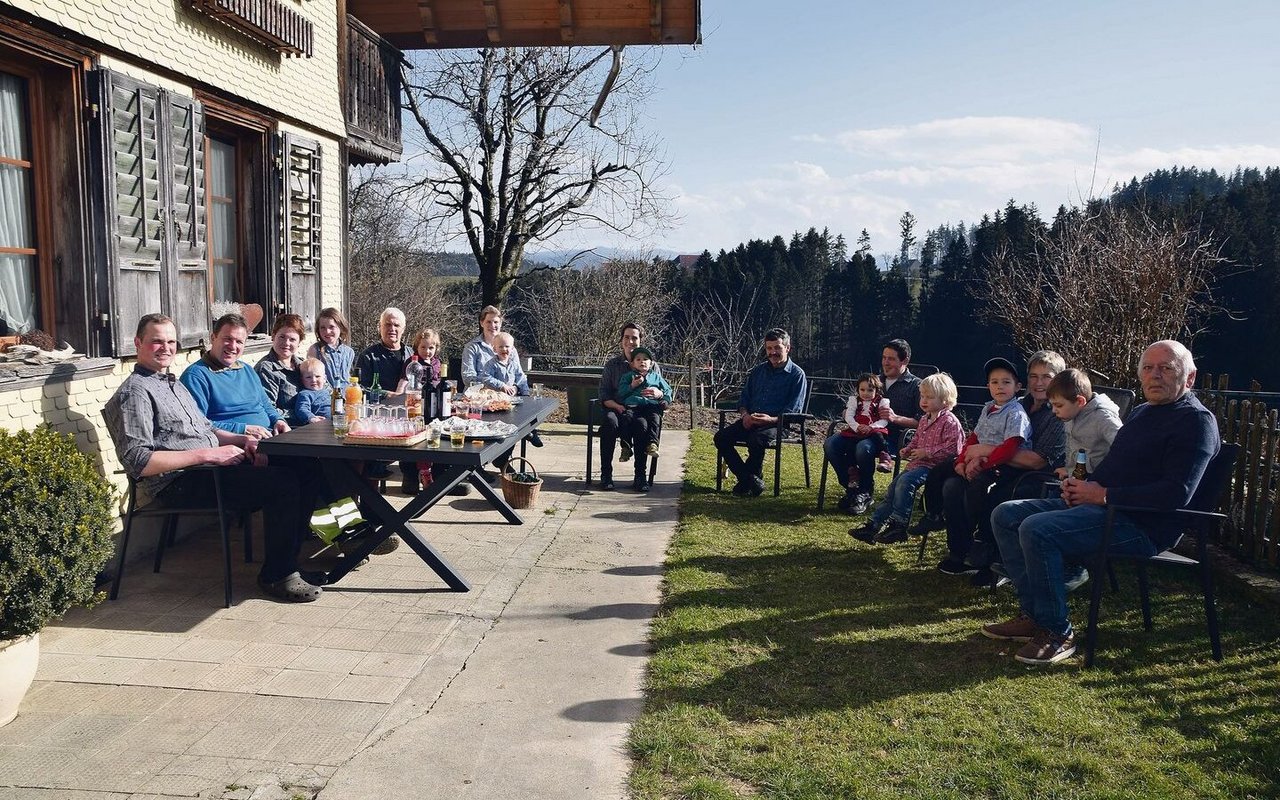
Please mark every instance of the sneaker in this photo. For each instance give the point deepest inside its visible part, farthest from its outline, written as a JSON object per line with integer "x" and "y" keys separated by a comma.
{"x": 742, "y": 488}
{"x": 866, "y": 532}
{"x": 1077, "y": 579}
{"x": 641, "y": 485}
{"x": 849, "y": 496}
{"x": 860, "y": 504}
{"x": 606, "y": 482}
{"x": 1047, "y": 648}
{"x": 652, "y": 449}
{"x": 983, "y": 579}
{"x": 956, "y": 566}
{"x": 927, "y": 523}
{"x": 1019, "y": 629}
{"x": 626, "y": 451}
{"x": 893, "y": 533}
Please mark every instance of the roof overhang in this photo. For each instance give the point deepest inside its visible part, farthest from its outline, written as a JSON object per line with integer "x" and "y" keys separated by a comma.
{"x": 430, "y": 24}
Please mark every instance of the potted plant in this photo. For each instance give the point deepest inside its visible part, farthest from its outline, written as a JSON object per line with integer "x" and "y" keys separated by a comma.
{"x": 57, "y": 519}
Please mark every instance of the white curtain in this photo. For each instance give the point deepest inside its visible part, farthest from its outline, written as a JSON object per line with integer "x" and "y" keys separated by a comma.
{"x": 17, "y": 272}
{"x": 222, "y": 233}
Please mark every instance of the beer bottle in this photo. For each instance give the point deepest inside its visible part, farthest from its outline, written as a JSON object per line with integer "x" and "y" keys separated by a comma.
{"x": 1081, "y": 471}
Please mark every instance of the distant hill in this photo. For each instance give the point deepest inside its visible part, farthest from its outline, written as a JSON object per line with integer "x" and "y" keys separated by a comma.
{"x": 559, "y": 258}
{"x": 463, "y": 265}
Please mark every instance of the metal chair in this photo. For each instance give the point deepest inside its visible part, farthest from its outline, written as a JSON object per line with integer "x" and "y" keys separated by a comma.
{"x": 786, "y": 435}
{"x": 593, "y": 409}
{"x": 167, "y": 531}
{"x": 1123, "y": 398}
{"x": 1201, "y": 519}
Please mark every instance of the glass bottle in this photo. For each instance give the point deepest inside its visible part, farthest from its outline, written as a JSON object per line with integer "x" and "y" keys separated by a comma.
{"x": 1081, "y": 471}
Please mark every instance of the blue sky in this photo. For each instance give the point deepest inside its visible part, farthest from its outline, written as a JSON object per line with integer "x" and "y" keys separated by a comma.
{"x": 845, "y": 114}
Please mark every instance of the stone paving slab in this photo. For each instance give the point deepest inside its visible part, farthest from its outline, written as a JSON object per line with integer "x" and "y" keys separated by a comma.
{"x": 522, "y": 687}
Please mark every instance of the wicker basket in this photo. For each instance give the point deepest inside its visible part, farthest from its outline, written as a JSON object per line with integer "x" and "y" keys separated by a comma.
{"x": 518, "y": 493}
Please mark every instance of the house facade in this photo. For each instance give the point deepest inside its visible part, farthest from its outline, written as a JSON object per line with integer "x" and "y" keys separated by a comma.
{"x": 178, "y": 157}
{"x": 190, "y": 156}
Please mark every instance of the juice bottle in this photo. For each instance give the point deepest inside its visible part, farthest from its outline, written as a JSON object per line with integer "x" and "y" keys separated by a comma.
{"x": 353, "y": 396}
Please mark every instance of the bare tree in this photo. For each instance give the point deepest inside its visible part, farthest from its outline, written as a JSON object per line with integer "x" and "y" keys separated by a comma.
{"x": 384, "y": 268}
{"x": 1100, "y": 287}
{"x": 519, "y": 155}
{"x": 719, "y": 333}
{"x": 579, "y": 312}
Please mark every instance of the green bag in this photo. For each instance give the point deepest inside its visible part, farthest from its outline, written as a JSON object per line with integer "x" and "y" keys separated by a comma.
{"x": 333, "y": 520}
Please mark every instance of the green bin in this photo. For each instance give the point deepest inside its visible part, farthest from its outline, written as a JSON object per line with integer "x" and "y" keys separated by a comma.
{"x": 580, "y": 397}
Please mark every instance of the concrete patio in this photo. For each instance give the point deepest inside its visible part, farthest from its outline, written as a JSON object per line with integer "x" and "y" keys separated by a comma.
{"x": 389, "y": 686}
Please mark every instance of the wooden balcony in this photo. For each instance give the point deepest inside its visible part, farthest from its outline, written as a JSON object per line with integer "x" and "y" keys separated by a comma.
{"x": 429, "y": 24}
{"x": 372, "y": 98}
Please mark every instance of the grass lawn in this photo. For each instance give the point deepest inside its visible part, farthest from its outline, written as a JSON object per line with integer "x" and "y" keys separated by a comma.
{"x": 791, "y": 661}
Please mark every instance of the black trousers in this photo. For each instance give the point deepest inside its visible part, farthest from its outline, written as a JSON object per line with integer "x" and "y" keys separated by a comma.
{"x": 286, "y": 493}
{"x": 646, "y": 429}
{"x": 616, "y": 425}
{"x": 757, "y": 441}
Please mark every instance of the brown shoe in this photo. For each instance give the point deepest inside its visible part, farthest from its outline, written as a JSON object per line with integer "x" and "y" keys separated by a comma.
{"x": 1019, "y": 629}
{"x": 1047, "y": 648}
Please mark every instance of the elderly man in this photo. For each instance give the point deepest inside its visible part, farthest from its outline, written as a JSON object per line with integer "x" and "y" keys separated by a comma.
{"x": 618, "y": 421}
{"x": 1156, "y": 461}
{"x": 385, "y": 358}
{"x": 159, "y": 432}
{"x": 902, "y": 390}
{"x": 227, "y": 390}
{"x": 773, "y": 388}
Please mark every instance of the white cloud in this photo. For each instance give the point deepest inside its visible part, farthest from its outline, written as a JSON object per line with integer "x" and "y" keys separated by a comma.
{"x": 964, "y": 140}
{"x": 943, "y": 171}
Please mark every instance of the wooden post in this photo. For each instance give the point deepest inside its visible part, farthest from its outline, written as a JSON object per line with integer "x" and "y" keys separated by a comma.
{"x": 693, "y": 391}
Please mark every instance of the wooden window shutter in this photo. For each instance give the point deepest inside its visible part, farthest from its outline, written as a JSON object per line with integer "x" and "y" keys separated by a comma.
{"x": 187, "y": 229}
{"x": 302, "y": 229}
{"x": 131, "y": 143}
{"x": 152, "y": 157}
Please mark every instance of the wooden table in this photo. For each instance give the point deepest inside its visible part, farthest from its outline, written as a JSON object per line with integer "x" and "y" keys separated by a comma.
{"x": 341, "y": 464}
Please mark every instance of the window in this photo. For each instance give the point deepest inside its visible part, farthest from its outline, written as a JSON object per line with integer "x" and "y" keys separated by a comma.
{"x": 19, "y": 272}
{"x": 224, "y": 224}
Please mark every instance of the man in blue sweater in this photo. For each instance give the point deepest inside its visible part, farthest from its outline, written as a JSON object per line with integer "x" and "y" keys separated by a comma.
{"x": 773, "y": 388}
{"x": 228, "y": 390}
{"x": 1156, "y": 461}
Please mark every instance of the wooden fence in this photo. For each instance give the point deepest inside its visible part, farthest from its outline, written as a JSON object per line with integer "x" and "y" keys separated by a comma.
{"x": 1253, "y": 527}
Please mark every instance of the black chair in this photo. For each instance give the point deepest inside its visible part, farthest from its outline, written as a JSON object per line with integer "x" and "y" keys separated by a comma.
{"x": 155, "y": 508}
{"x": 1201, "y": 519}
{"x": 1123, "y": 398}
{"x": 594, "y": 411}
{"x": 790, "y": 431}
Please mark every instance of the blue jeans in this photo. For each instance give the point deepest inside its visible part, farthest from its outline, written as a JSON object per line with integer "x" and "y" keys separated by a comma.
{"x": 844, "y": 452}
{"x": 897, "y": 503}
{"x": 1036, "y": 537}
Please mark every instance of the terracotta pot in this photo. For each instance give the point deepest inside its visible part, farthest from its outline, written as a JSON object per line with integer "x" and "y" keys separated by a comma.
{"x": 18, "y": 661}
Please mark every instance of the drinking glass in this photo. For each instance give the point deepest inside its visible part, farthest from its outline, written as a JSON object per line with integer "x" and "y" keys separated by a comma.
{"x": 458, "y": 437}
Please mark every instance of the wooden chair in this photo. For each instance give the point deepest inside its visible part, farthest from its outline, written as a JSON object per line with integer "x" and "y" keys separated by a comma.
{"x": 167, "y": 531}
{"x": 594, "y": 411}
{"x": 1201, "y": 519}
{"x": 790, "y": 431}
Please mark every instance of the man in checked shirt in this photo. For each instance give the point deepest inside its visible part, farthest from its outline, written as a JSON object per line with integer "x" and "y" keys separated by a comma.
{"x": 159, "y": 433}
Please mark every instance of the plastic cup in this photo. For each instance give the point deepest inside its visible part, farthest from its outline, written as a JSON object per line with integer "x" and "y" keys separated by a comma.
{"x": 433, "y": 437}
{"x": 537, "y": 390}
{"x": 457, "y": 438}
{"x": 340, "y": 426}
